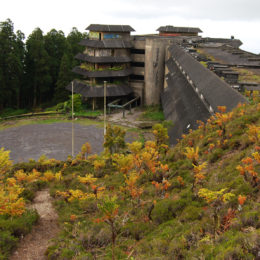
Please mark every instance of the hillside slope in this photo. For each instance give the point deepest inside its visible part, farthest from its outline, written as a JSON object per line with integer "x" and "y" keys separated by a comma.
{"x": 198, "y": 200}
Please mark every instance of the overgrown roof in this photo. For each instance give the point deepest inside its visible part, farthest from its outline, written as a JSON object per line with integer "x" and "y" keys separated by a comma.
{"x": 214, "y": 90}
{"x": 103, "y": 59}
{"x": 173, "y": 29}
{"x": 103, "y": 73}
{"x": 109, "y": 28}
{"x": 107, "y": 44}
{"x": 98, "y": 91}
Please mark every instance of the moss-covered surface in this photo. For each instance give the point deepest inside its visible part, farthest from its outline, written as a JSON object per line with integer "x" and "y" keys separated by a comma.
{"x": 247, "y": 75}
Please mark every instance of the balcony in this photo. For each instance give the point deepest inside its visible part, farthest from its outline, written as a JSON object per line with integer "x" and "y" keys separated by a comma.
{"x": 104, "y": 73}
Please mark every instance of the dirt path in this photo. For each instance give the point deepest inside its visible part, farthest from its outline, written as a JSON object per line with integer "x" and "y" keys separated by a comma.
{"x": 34, "y": 245}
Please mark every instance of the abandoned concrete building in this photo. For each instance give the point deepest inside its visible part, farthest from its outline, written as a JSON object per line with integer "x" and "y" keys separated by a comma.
{"x": 173, "y": 68}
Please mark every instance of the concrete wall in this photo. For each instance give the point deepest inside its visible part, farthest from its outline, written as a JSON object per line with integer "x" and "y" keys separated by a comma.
{"x": 138, "y": 57}
{"x": 154, "y": 69}
{"x": 138, "y": 71}
{"x": 138, "y": 88}
{"x": 122, "y": 52}
{"x": 138, "y": 44}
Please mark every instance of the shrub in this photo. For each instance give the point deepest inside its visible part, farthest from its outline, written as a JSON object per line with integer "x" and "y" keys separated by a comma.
{"x": 216, "y": 155}
{"x": 167, "y": 209}
{"x": 137, "y": 230}
{"x": 7, "y": 243}
{"x": 191, "y": 213}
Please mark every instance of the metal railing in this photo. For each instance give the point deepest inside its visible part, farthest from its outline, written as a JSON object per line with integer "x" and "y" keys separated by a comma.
{"x": 115, "y": 104}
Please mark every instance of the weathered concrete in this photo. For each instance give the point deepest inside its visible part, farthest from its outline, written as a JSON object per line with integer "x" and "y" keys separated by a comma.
{"x": 137, "y": 57}
{"x": 138, "y": 71}
{"x": 154, "y": 69}
{"x": 138, "y": 88}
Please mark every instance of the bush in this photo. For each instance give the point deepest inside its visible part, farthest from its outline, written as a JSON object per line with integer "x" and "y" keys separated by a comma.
{"x": 137, "y": 230}
{"x": 167, "y": 209}
{"x": 216, "y": 155}
{"x": 19, "y": 225}
{"x": 191, "y": 213}
{"x": 7, "y": 243}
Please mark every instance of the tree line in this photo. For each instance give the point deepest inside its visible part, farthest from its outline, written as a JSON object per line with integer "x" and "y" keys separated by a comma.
{"x": 35, "y": 71}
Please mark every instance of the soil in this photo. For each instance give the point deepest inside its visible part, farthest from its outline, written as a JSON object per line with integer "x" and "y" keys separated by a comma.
{"x": 33, "y": 246}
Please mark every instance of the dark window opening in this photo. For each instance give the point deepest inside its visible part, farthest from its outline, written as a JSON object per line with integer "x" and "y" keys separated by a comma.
{"x": 137, "y": 64}
{"x": 138, "y": 51}
{"x": 137, "y": 77}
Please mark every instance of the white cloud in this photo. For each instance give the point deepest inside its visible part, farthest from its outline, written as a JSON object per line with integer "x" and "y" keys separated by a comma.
{"x": 221, "y": 18}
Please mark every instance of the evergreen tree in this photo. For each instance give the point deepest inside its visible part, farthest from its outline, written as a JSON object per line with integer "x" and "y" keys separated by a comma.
{"x": 65, "y": 77}
{"x": 68, "y": 63}
{"x": 38, "y": 77}
{"x": 11, "y": 65}
{"x": 54, "y": 43}
{"x": 73, "y": 46}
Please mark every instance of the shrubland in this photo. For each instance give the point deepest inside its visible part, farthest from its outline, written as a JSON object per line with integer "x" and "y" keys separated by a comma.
{"x": 197, "y": 200}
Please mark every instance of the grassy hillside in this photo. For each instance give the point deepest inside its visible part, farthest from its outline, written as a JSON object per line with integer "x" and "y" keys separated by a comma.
{"x": 198, "y": 200}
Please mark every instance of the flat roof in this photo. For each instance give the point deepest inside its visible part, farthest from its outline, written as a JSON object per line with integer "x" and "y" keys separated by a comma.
{"x": 173, "y": 29}
{"x": 109, "y": 28}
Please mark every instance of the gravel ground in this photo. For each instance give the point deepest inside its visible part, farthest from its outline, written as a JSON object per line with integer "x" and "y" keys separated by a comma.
{"x": 53, "y": 140}
{"x": 34, "y": 245}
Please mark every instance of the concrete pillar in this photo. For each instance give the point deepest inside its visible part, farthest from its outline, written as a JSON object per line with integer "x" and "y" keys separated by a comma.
{"x": 154, "y": 70}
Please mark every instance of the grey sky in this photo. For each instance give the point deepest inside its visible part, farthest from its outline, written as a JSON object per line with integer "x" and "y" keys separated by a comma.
{"x": 221, "y": 18}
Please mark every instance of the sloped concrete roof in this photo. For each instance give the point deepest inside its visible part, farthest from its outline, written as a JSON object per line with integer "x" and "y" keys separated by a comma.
{"x": 103, "y": 73}
{"x": 98, "y": 91}
{"x": 103, "y": 59}
{"x": 214, "y": 90}
{"x": 109, "y": 28}
{"x": 173, "y": 29}
{"x": 181, "y": 105}
{"x": 107, "y": 44}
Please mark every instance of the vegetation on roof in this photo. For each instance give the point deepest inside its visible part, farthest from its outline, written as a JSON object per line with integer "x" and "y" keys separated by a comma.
{"x": 247, "y": 75}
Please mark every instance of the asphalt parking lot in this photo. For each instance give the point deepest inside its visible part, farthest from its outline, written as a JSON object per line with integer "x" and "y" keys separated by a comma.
{"x": 53, "y": 140}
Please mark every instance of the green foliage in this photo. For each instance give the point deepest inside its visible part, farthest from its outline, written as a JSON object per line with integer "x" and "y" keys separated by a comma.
{"x": 215, "y": 155}
{"x": 36, "y": 71}
{"x": 167, "y": 209}
{"x": 154, "y": 113}
{"x": 12, "y": 112}
{"x": 114, "y": 139}
{"x": 13, "y": 228}
{"x": 7, "y": 243}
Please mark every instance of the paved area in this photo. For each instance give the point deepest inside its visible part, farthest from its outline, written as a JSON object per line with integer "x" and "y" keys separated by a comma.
{"x": 53, "y": 140}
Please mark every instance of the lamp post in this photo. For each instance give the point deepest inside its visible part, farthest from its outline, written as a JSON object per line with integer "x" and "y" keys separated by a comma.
{"x": 105, "y": 106}
{"x": 72, "y": 118}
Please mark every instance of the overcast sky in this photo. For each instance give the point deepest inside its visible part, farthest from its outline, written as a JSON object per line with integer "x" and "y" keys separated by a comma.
{"x": 218, "y": 18}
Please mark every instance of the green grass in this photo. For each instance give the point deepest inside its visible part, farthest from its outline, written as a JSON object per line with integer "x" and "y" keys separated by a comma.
{"x": 12, "y": 112}
{"x": 89, "y": 113}
{"x": 153, "y": 113}
{"x": 47, "y": 120}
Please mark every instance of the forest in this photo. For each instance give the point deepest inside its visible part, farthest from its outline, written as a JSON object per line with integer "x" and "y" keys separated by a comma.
{"x": 35, "y": 70}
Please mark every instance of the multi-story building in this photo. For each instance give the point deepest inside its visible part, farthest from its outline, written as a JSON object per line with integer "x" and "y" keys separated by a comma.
{"x": 107, "y": 58}
{"x": 160, "y": 69}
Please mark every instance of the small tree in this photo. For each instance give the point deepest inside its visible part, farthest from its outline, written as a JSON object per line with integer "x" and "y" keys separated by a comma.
{"x": 114, "y": 139}
{"x": 216, "y": 200}
{"x": 5, "y": 162}
{"x": 109, "y": 210}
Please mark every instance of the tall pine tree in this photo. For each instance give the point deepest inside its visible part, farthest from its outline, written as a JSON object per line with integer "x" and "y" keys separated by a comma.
{"x": 11, "y": 65}
{"x": 37, "y": 69}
